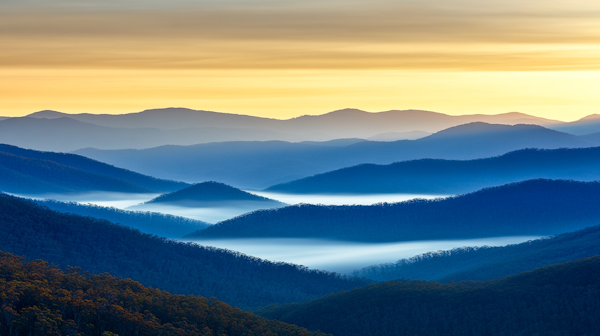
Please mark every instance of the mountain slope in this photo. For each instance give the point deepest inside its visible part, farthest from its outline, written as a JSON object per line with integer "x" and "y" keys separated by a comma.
{"x": 42, "y": 300}
{"x": 258, "y": 165}
{"x": 481, "y": 263}
{"x": 554, "y": 300}
{"x": 41, "y": 172}
{"x": 147, "y": 222}
{"x": 452, "y": 176}
{"x": 99, "y": 246}
{"x": 534, "y": 207}
{"x": 586, "y": 125}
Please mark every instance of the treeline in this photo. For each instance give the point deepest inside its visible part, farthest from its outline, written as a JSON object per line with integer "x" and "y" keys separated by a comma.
{"x": 430, "y": 176}
{"x": 163, "y": 225}
{"x": 38, "y": 299}
{"x": 99, "y": 246}
{"x": 36, "y": 172}
{"x": 534, "y": 207}
{"x": 559, "y": 300}
{"x": 486, "y": 262}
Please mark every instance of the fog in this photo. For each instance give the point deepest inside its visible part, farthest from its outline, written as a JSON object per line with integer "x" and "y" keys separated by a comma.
{"x": 341, "y": 199}
{"x": 107, "y": 199}
{"x": 344, "y": 257}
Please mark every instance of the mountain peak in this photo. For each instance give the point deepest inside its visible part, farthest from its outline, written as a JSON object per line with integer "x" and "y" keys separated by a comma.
{"x": 210, "y": 191}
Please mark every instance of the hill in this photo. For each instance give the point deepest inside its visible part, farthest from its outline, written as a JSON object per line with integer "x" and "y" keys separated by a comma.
{"x": 99, "y": 246}
{"x": 258, "y": 165}
{"x": 212, "y": 194}
{"x": 35, "y": 172}
{"x": 38, "y": 299}
{"x": 586, "y": 125}
{"x": 554, "y": 300}
{"x": 430, "y": 176}
{"x": 147, "y": 222}
{"x": 534, "y": 207}
{"x": 481, "y": 263}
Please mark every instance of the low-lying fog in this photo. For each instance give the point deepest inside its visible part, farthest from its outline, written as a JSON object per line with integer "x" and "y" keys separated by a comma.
{"x": 344, "y": 257}
{"x": 341, "y": 199}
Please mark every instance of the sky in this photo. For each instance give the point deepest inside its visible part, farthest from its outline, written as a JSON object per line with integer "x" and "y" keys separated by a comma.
{"x": 284, "y": 58}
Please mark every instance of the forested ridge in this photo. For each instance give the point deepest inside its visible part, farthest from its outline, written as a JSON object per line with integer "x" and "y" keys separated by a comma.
{"x": 99, "y": 246}
{"x": 23, "y": 169}
{"x": 37, "y": 299}
{"x": 558, "y": 300}
{"x": 431, "y": 176}
{"x": 160, "y": 224}
{"x": 487, "y": 262}
{"x": 534, "y": 207}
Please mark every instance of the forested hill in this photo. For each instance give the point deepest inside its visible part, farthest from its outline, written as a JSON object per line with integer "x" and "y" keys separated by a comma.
{"x": 99, "y": 246}
{"x": 534, "y": 207}
{"x": 481, "y": 263}
{"x": 42, "y": 300}
{"x": 209, "y": 193}
{"x": 554, "y": 300}
{"x": 163, "y": 225}
{"x": 429, "y": 176}
{"x": 59, "y": 172}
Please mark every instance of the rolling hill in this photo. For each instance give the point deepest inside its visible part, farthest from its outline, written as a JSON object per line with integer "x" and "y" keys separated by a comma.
{"x": 429, "y": 176}
{"x": 554, "y": 300}
{"x": 258, "y": 165}
{"x": 99, "y": 246}
{"x": 38, "y": 299}
{"x": 482, "y": 263}
{"x": 34, "y": 172}
{"x": 534, "y": 207}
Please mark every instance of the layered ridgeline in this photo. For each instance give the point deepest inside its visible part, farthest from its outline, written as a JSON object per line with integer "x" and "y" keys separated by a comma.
{"x": 42, "y": 300}
{"x": 453, "y": 176}
{"x": 481, "y": 263}
{"x": 99, "y": 246}
{"x": 34, "y": 172}
{"x": 51, "y": 130}
{"x": 156, "y": 223}
{"x": 534, "y": 207}
{"x": 213, "y": 194}
{"x": 554, "y": 300}
{"x": 258, "y": 165}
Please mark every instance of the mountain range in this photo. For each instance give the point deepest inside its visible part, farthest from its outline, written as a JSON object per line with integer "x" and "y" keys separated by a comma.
{"x": 258, "y": 165}
{"x": 533, "y": 207}
{"x": 34, "y": 172}
{"x": 430, "y": 176}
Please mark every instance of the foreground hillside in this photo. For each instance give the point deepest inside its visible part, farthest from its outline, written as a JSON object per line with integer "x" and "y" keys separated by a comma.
{"x": 35, "y": 172}
{"x": 99, "y": 246}
{"x": 553, "y": 300}
{"x": 42, "y": 300}
{"x": 258, "y": 165}
{"x": 534, "y": 207}
{"x": 429, "y": 176}
{"x": 156, "y": 223}
{"x": 486, "y": 262}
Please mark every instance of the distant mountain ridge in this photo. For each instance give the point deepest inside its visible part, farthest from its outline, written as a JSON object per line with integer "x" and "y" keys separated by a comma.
{"x": 58, "y": 131}
{"x": 430, "y": 176}
{"x": 258, "y": 165}
{"x": 34, "y": 172}
{"x": 534, "y": 207}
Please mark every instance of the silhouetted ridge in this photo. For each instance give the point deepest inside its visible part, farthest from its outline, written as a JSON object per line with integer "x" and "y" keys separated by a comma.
{"x": 42, "y": 300}
{"x": 534, "y": 207}
{"x": 99, "y": 246}
{"x": 554, "y": 300}
{"x": 481, "y": 263}
{"x": 432, "y": 176}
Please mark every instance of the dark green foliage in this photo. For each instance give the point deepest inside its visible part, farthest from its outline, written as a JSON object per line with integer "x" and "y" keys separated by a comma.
{"x": 164, "y": 225}
{"x": 30, "y": 171}
{"x": 559, "y": 300}
{"x": 535, "y": 207}
{"x": 39, "y": 300}
{"x": 210, "y": 192}
{"x": 480, "y": 263}
{"x": 99, "y": 246}
{"x": 431, "y": 176}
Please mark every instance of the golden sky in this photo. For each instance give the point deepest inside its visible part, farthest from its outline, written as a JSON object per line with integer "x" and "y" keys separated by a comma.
{"x": 287, "y": 58}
